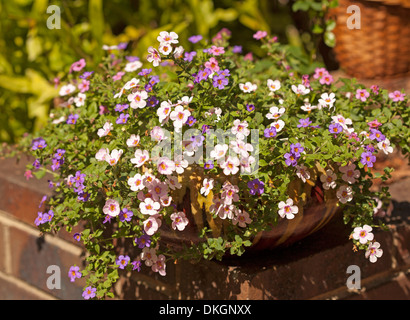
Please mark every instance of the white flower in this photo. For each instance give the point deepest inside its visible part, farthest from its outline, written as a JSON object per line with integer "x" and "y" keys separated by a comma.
{"x": 158, "y": 190}
{"x": 363, "y": 234}
{"x": 248, "y": 87}
{"x": 178, "y": 52}
{"x": 275, "y": 113}
{"x": 157, "y": 134}
{"x": 137, "y": 99}
{"x": 373, "y": 252}
{"x": 349, "y": 173}
{"x": 133, "y": 140}
{"x": 149, "y": 206}
{"x": 102, "y": 154}
{"x": 185, "y": 100}
{"x": 131, "y": 84}
{"x": 180, "y": 164}
{"x": 327, "y": 99}
{"x": 67, "y": 89}
{"x": 240, "y": 129}
{"x": 279, "y": 124}
{"x": 149, "y": 255}
{"x": 287, "y": 209}
{"x": 167, "y": 37}
{"x": 225, "y": 211}
{"x": 136, "y": 183}
{"x": 385, "y": 146}
{"x": 79, "y": 99}
{"x": 141, "y": 156}
{"x": 219, "y": 151}
{"x": 241, "y": 218}
{"x": 300, "y": 89}
{"x": 344, "y": 194}
{"x": 302, "y": 172}
{"x": 151, "y": 225}
{"x": 179, "y": 220}
{"x": 164, "y": 111}
{"x": 246, "y": 163}
{"x": 132, "y": 66}
{"x": 165, "y": 166}
{"x": 328, "y": 180}
{"x": 241, "y": 148}
{"x": 173, "y": 182}
{"x": 112, "y": 208}
{"x": 105, "y": 129}
{"x": 208, "y": 184}
{"x": 59, "y": 120}
{"x": 179, "y": 116}
{"x": 230, "y": 166}
{"x": 114, "y": 157}
{"x": 165, "y": 48}
{"x": 273, "y": 85}
{"x": 342, "y": 121}
{"x": 154, "y": 56}
{"x": 308, "y": 107}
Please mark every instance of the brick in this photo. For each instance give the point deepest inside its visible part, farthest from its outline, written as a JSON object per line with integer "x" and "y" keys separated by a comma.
{"x": 13, "y": 289}
{"x": 32, "y": 256}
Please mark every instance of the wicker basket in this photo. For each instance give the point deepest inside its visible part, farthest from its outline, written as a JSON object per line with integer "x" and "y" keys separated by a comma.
{"x": 381, "y": 47}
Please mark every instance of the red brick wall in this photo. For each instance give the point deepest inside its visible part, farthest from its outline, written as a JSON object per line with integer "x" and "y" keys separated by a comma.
{"x": 314, "y": 268}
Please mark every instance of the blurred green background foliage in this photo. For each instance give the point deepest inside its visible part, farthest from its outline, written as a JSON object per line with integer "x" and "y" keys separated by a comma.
{"x": 32, "y": 55}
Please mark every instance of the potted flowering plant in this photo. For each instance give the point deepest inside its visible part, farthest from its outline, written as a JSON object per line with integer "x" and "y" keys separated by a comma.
{"x": 225, "y": 148}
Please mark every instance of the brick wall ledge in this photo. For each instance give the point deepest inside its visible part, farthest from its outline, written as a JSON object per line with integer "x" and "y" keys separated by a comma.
{"x": 315, "y": 268}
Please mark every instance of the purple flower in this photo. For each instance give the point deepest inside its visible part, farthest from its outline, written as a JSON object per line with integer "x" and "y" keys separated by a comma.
{"x": 125, "y": 215}
{"x": 121, "y": 107}
{"x": 59, "y": 153}
{"x": 335, "y": 128}
{"x": 145, "y": 72}
{"x": 296, "y": 149}
{"x": 74, "y": 273}
{"x": 220, "y": 82}
{"x": 190, "y": 121}
{"x": 122, "y": 45}
{"x": 83, "y": 196}
{"x": 153, "y": 80}
{"x": 123, "y": 118}
{"x": 209, "y": 165}
{"x": 79, "y": 178}
{"x": 40, "y": 218}
{"x": 376, "y": 134}
{"x": 89, "y": 292}
{"x": 136, "y": 265}
{"x": 197, "y": 141}
{"x": 122, "y": 261}
{"x": 269, "y": 132}
{"x": 250, "y": 107}
{"x": 77, "y": 236}
{"x": 42, "y": 201}
{"x": 38, "y": 143}
{"x": 290, "y": 159}
{"x": 237, "y": 49}
{"x": 195, "y": 38}
{"x": 37, "y": 164}
{"x": 368, "y": 159}
{"x": 86, "y": 75}
{"x": 256, "y": 186}
{"x": 202, "y": 75}
{"x": 131, "y": 58}
{"x": 152, "y": 101}
{"x": 205, "y": 128}
{"x": 143, "y": 241}
{"x": 225, "y": 73}
{"x": 56, "y": 163}
{"x": 303, "y": 123}
{"x": 72, "y": 119}
{"x": 188, "y": 56}
{"x": 370, "y": 148}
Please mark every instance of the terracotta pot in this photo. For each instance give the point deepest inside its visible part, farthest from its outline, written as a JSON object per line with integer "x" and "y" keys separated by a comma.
{"x": 316, "y": 208}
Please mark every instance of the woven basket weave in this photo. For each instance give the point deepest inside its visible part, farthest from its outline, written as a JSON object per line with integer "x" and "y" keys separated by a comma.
{"x": 381, "y": 47}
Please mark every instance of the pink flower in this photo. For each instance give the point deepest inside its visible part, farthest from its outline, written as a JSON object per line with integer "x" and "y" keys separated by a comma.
{"x": 28, "y": 174}
{"x": 78, "y": 65}
{"x": 319, "y": 73}
{"x": 118, "y": 75}
{"x": 159, "y": 265}
{"x": 84, "y": 86}
{"x": 152, "y": 224}
{"x": 396, "y": 96}
{"x": 179, "y": 221}
{"x": 260, "y": 34}
{"x": 212, "y": 64}
{"x": 374, "y": 124}
{"x": 111, "y": 208}
{"x": 241, "y": 218}
{"x": 375, "y": 89}
{"x": 362, "y": 94}
{"x": 216, "y": 51}
{"x": 154, "y": 56}
{"x": 326, "y": 79}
